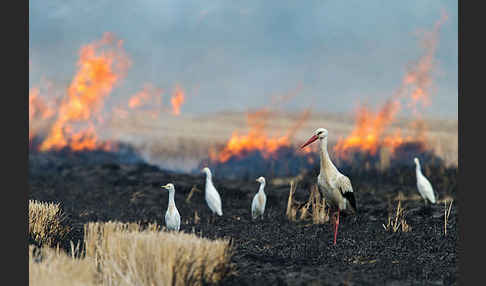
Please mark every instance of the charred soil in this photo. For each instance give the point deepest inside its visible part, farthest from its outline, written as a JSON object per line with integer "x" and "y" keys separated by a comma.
{"x": 272, "y": 251}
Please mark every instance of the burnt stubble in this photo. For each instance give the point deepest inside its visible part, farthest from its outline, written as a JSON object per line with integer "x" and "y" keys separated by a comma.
{"x": 272, "y": 251}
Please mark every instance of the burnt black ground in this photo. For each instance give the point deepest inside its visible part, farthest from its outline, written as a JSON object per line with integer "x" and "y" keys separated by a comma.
{"x": 274, "y": 251}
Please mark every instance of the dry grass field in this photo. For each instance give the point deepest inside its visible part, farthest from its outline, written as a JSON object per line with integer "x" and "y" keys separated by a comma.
{"x": 127, "y": 254}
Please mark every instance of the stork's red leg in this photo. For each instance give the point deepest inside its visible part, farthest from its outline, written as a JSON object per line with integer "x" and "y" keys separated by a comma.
{"x": 336, "y": 227}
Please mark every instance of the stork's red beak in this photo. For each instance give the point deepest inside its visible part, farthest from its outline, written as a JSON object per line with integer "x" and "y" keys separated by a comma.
{"x": 312, "y": 139}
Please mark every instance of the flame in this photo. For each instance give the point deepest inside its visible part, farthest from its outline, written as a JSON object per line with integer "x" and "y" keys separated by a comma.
{"x": 149, "y": 95}
{"x": 177, "y": 100}
{"x": 369, "y": 129}
{"x": 38, "y": 110}
{"x": 418, "y": 76}
{"x": 98, "y": 72}
{"x": 37, "y": 106}
{"x": 257, "y": 138}
{"x": 369, "y": 133}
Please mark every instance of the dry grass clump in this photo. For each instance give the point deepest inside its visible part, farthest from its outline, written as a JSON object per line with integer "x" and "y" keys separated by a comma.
{"x": 315, "y": 207}
{"x": 127, "y": 255}
{"x": 396, "y": 221}
{"x": 47, "y": 224}
{"x": 49, "y": 266}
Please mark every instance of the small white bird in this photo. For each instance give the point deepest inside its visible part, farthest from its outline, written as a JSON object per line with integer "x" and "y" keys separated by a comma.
{"x": 259, "y": 200}
{"x": 172, "y": 217}
{"x": 212, "y": 196}
{"x": 423, "y": 185}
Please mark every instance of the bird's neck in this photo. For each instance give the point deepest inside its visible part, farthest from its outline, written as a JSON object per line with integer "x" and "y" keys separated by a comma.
{"x": 208, "y": 178}
{"x": 171, "y": 198}
{"x": 326, "y": 163}
{"x": 418, "y": 169}
{"x": 262, "y": 186}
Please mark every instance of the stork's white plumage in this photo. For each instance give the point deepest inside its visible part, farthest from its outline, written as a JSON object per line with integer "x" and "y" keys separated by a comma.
{"x": 212, "y": 196}
{"x": 423, "y": 185}
{"x": 259, "y": 200}
{"x": 172, "y": 217}
{"x": 335, "y": 187}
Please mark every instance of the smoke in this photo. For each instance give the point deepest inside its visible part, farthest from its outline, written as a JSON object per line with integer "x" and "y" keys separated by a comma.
{"x": 234, "y": 55}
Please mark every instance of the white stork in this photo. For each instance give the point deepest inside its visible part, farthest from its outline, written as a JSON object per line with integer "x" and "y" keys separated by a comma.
{"x": 212, "y": 196}
{"x": 172, "y": 217}
{"x": 259, "y": 200}
{"x": 423, "y": 185}
{"x": 334, "y": 186}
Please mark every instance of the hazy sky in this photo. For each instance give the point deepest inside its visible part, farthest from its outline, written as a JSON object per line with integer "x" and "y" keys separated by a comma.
{"x": 234, "y": 55}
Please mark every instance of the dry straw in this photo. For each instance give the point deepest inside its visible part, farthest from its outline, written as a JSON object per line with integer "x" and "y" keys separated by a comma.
{"x": 397, "y": 222}
{"x": 127, "y": 254}
{"x": 315, "y": 207}
{"x": 53, "y": 267}
{"x": 447, "y": 212}
{"x": 47, "y": 224}
{"x": 291, "y": 204}
{"x": 131, "y": 256}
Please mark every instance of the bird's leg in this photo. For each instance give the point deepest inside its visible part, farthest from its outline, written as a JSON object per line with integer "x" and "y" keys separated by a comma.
{"x": 336, "y": 227}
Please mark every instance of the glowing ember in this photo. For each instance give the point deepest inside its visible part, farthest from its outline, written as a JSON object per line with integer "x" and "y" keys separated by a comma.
{"x": 177, "y": 100}
{"x": 98, "y": 72}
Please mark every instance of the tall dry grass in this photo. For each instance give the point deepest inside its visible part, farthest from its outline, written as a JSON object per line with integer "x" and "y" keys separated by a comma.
{"x": 127, "y": 254}
{"x": 49, "y": 266}
{"x": 315, "y": 207}
{"x": 47, "y": 224}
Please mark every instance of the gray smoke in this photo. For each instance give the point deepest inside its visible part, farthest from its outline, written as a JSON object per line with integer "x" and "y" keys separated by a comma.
{"x": 233, "y": 55}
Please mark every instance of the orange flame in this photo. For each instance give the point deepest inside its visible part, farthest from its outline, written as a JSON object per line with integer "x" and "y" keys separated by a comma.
{"x": 257, "y": 138}
{"x": 177, "y": 100}
{"x": 38, "y": 109}
{"x": 37, "y": 106}
{"x": 419, "y": 73}
{"x": 369, "y": 128}
{"x": 148, "y": 96}
{"x": 97, "y": 75}
{"x": 369, "y": 131}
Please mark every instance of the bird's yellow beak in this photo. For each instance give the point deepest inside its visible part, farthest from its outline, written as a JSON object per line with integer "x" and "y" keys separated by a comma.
{"x": 164, "y": 187}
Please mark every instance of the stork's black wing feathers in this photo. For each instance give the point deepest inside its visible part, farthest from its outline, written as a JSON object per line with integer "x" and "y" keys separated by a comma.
{"x": 344, "y": 185}
{"x": 350, "y": 197}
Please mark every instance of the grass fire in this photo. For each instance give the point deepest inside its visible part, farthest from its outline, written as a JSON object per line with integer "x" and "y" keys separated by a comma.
{"x": 295, "y": 150}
